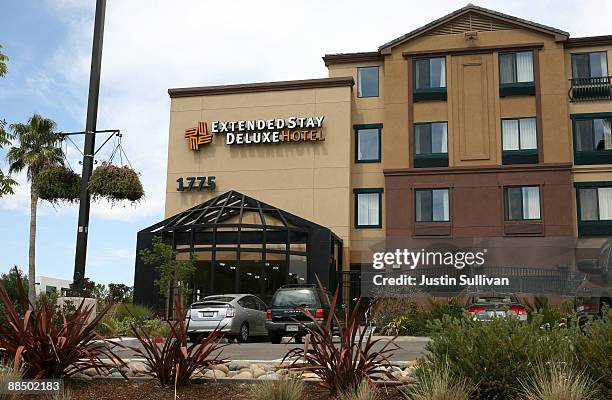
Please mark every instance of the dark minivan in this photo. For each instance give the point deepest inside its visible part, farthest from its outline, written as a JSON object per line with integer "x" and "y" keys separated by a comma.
{"x": 284, "y": 316}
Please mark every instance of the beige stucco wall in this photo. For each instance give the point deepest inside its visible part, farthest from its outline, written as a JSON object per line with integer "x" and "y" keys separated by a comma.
{"x": 556, "y": 136}
{"x": 309, "y": 179}
{"x": 369, "y": 110}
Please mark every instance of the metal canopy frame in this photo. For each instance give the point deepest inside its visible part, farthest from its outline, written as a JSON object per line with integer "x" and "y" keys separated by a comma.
{"x": 219, "y": 225}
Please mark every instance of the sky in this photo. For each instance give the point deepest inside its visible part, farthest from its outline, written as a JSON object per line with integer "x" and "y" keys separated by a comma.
{"x": 153, "y": 45}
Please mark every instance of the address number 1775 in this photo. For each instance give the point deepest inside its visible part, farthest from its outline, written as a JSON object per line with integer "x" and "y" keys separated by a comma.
{"x": 196, "y": 183}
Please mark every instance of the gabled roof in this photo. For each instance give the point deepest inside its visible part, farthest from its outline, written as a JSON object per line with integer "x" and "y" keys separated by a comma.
{"x": 504, "y": 21}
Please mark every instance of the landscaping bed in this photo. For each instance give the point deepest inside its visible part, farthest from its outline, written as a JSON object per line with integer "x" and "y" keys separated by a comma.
{"x": 149, "y": 390}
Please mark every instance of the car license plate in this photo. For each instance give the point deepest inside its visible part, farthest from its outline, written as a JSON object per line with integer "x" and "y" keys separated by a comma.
{"x": 291, "y": 328}
{"x": 207, "y": 314}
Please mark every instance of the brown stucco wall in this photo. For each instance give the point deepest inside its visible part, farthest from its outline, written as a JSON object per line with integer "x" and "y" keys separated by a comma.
{"x": 476, "y": 199}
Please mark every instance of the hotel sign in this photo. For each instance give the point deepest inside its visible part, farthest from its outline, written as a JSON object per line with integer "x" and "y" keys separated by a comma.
{"x": 258, "y": 131}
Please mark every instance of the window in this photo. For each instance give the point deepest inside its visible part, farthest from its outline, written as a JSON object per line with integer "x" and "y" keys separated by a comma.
{"x": 429, "y": 79}
{"x": 516, "y": 74}
{"x": 593, "y": 134}
{"x": 522, "y": 203}
{"x": 590, "y": 65}
{"x": 516, "y": 67}
{"x": 430, "y": 144}
{"x": 49, "y": 290}
{"x": 519, "y": 141}
{"x": 367, "y": 82}
{"x": 592, "y": 139}
{"x": 595, "y": 204}
{"x": 431, "y": 205}
{"x": 367, "y": 143}
{"x": 368, "y": 208}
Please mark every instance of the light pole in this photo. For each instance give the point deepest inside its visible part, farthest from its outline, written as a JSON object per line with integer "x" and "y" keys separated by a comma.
{"x": 90, "y": 143}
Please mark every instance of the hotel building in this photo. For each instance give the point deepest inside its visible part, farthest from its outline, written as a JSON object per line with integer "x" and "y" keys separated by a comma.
{"x": 476, "y": 125}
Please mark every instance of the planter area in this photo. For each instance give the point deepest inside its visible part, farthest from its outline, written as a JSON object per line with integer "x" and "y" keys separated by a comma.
{"x": 149, "y": 390}
{"x": 239, "y": 371}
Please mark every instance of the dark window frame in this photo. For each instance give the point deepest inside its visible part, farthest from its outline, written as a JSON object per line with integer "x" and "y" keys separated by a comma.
{"x": 377, "y": 81}
{"x": 428, "y": 93}
{"x": 429, "y": 159}
{"x": 356, "y": 193}
{"x": 588, "y": 53}
{"x": 359, "y": 127}
{"x": 516, "y": 88}
{"x": 589, "y": 157}
{"x": 431, "y": 189}
{"x": 520, "y": 156}
{"x": 597, "y": 227}
{"x": 505, "y": 193}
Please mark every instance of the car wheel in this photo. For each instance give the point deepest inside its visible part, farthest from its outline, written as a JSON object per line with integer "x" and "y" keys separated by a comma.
{"x": 298, "y": 339}
{"x": 243, "y": 335}
{"x": 193, "y": 337}
{"x": 275, "y": 339}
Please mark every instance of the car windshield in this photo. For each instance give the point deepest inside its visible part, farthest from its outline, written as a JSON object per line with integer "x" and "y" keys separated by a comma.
{"x": 218, "y": 299}
{"x": 292, "y": 298}
{"x": 493, "y": 299}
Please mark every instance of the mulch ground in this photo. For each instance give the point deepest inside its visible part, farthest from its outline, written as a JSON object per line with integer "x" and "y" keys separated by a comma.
{"x": 149, "y": 390}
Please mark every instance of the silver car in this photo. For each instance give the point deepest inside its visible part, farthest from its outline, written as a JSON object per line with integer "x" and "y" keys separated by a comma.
{"x": 239, "y": 316}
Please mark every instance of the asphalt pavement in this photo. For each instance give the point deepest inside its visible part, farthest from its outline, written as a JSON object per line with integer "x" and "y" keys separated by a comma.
{"x": 410, "y": 348}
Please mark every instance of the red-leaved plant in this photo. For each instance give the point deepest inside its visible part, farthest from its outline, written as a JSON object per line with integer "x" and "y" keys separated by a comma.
{"x": 341, "y": 366}
{"x": 174, "y": 363}
{"x": 45, "y": 349}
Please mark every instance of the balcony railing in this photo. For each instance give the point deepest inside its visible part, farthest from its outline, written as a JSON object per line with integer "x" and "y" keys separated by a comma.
{"x": 590, "y": 89}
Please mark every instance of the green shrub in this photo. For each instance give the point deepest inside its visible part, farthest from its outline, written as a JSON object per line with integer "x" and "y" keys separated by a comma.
{"x": 558, "y": 381}
{"x": 115, "y": 183}
{"x": 493, "y": 355}
{"x": 391, "y": 303}
{"x": 282, "y": 389}
{"x": 134, "y": 311}
{"x": 415, "y": 320}
{"x": 594, "y": 351}
{"x": 114, "y": 327}
{"x": 549, "y": 315}
{"x": 439, "y": 384}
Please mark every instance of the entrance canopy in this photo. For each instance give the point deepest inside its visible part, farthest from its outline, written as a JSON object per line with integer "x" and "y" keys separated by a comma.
{"x": 241, "y": 245}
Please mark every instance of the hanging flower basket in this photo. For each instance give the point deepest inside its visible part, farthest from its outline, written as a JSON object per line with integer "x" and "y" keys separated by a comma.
{"x": 115, "y": 183}
{"x": 57, "y": 183}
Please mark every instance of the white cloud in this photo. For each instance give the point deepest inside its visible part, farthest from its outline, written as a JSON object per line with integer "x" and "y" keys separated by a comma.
{"x": 152, "y": 45}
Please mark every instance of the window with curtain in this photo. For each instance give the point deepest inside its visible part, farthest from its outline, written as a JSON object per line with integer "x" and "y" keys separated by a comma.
{"x": 516, "y": 67}
{"x": 595, "y": 203}
{"x": 431, "y": 205}
{"x": 522, "y": 203}
{"x": 593, "y": 134}
{"x": 519, "y": 134}
{"x": 368, "y": 144}
{"x": 431, "y": 138}
{"x": 590, "y": 65}
{"x": 368, "y": 209}
{"x": 367, "y": 82}
{"x": 430, "y": 73}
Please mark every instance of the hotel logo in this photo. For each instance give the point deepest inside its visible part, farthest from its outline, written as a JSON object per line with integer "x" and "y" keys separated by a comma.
{"x": 198, "y": 136}
{"x": 259, "y": 131}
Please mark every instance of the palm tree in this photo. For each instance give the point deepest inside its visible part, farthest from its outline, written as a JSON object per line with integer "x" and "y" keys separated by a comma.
{"x": 37, "y": 147}
{"x": 3, "y": 60}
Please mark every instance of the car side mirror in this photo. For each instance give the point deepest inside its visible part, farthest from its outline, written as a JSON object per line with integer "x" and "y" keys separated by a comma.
{"x": 590, "y": 266}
